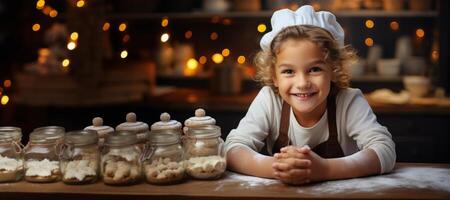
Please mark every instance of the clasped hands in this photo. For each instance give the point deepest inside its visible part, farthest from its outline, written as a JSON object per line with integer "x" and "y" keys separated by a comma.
{"x": 299, "y": 165}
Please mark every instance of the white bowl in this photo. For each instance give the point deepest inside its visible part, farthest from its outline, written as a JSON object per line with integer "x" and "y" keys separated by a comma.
{"x": 418, "y": 86}
{"x": 388, "y": 67}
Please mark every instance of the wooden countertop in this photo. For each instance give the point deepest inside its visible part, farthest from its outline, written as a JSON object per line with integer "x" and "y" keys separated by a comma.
{"x": 188, "y": 98}
{"x": 408, "y": 181}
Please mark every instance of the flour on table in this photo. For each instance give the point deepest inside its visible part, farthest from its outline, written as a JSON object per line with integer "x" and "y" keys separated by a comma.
{"x": 408, "y": 177}
{"x": 245, "y": 181}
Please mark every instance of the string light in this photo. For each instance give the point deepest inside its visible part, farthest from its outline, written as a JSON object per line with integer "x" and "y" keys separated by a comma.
{"x": 214, "y": 36}
{"x": 122, "y": 27}
{"x": 36, "y": 27}
{"x": 165, "y": 37}
{"x": 225, "y": 52}
{"x": 420, "y": 33}
{"x": 202, "y": 60}
{"x": 164, "y": 22}
{"x": 368, "y": 41}
{"x": 4, "y": 100}
{"x": 65, "y": 62}
{"x": 53, "y": 13}
{"x": 261, "y": 28}
{"x": 71, "y": 45}
{"x": 188, "y": 34}
{"x": 80, "y": 3}
{"x": 126, "y": 38}
{"x": 241, "y": 59}
{"x": 217, "y": 58}
{"x": 7, "y": 83}
{"x": 124, "y": 54}
{"x": 74, "y": 36}
{"x": 40, "y": 4}
{"x": 369, "y": 23}
{"x": 192, "y": 64}
{"x": 106, "y": 26}
{"x": 394, "y": 25}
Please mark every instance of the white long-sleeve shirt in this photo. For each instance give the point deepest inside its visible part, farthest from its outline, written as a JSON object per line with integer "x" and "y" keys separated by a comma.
{"x": 357, "y": 127}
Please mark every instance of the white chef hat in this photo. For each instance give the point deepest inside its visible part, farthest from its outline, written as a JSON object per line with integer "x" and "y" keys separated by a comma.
{"x": 305, "y": 15}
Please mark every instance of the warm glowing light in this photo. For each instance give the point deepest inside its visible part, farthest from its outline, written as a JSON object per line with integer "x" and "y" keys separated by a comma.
{"x": 124, "y": 54}
{"x": 65, "y": 62}
{"x": 40, "y": 4}
{"x": 164, "y": 22}
{"x": 368, "y": 41}
{"x": 47, "y": 10}
{"x": 369, "y": 23}
{"x": 80, "y": 3}
{"x": 188, "y": 34}
{"x": 435, "y": 55}
{"x": 4, "y": 100}
{"x": 241, "y": 59}
{"x": 36, "y": 27}
{"x": 420, "y": 33}
{"x": 262, "y": 28}
{"x": 214, "y": 36}
{"x": 217, "y": 58}
{"x": 165, "y": 37}
{"x": 225, "y": 52}
{"x": 126, "y": 38}
{"x": 122, "y": 27}
{"x": 7, "y": 83}
{"x": 71, "y": 45}
{"x": 53, "y": 13}
{"x": 74, "y": 36}
{"x": 192, "y": 64}
{"x": 394, "y": 25}
{"x": 226, "y": 21}
{"x": 106, "y": 26}
{"x": 202, "y": 60}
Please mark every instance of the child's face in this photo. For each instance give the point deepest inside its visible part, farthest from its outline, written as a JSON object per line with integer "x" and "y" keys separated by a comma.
{"x": 303, "y": 77}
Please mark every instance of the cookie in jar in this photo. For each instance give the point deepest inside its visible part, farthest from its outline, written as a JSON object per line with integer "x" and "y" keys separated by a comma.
{"x": 80, "y": 157}
{"x": 204, "y": 152}
{"x": 121, "y": 164}
{"x": 163, "y": 159}
{"x": 11, "y": 161}
{"x": 41, "y": 159}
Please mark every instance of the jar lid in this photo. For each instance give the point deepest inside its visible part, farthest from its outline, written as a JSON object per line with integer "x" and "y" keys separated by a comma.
{"x": 166, "y": 123}
{"x": 6, "y": 138}
{"x": 162, "y": 137}
{"x": 15, "y": 132}
{"x": 200, "y": 119}
{"x": 43, "y": 137}
{"x": 132, "y": 125}
{"x": 204, "y": 131}
{"x": 51, "y": 132}
{"x": 81, "y": 137}
{"x": 97, "y": 125}
{"x": 121, "y": 138}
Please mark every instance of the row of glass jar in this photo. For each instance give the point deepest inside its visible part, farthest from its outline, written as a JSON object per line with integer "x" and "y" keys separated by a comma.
{"x": 75, "y": 158}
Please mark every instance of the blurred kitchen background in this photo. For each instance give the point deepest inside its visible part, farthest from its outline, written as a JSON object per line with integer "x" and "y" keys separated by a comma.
{"x": 64, "y": 62}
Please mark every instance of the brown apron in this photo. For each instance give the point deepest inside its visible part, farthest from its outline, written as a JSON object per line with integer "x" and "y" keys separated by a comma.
{"x": 327, "y": 149}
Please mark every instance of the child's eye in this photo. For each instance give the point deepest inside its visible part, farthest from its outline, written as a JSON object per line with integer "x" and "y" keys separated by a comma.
{"x": 287, "y": 71}
{"x": 315, "y": 69}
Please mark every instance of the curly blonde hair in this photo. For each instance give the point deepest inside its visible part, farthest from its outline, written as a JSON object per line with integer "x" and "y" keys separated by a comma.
{"x": 339, "y": 57}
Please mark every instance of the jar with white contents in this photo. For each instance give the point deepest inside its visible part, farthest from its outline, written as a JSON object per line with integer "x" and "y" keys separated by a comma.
{"x": 41, "y": 159}
{"x": 163, "y": 157}
{"x": 121, "y": 159}
{"x": 80, "y": 157}
{"x": 11, "y": 161}
{"x": 204, "y": 152}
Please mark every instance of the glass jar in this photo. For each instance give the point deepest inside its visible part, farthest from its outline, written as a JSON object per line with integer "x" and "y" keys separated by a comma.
{"x": 11, "y": 161}
{"x": 53, "y": 133}
{"x": 121, "y": 163}
{"x": 15, "y": 132}
{"x": 80, "y": 157}
{"x": 136, "y": 127}
{"x": 163, "y": 159}
{"x": 41, "y": 159}
{"x": 203, "y": 146}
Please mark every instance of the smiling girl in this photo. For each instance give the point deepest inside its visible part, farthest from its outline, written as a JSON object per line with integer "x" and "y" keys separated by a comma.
{"x": 313, "y": 125}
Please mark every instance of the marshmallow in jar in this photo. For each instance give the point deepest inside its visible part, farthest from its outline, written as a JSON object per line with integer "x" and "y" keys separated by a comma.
{"x": 167, "y": 124}
{"x": 204, "y": 155}
{"x": 134, "y": 126}
{"x": 120, "y": 163}
{"x": 11, "y": 161}
{"x": 80, "y": 157}
{"x": 102, "y": 131}
{"x": 200, "y": 118}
